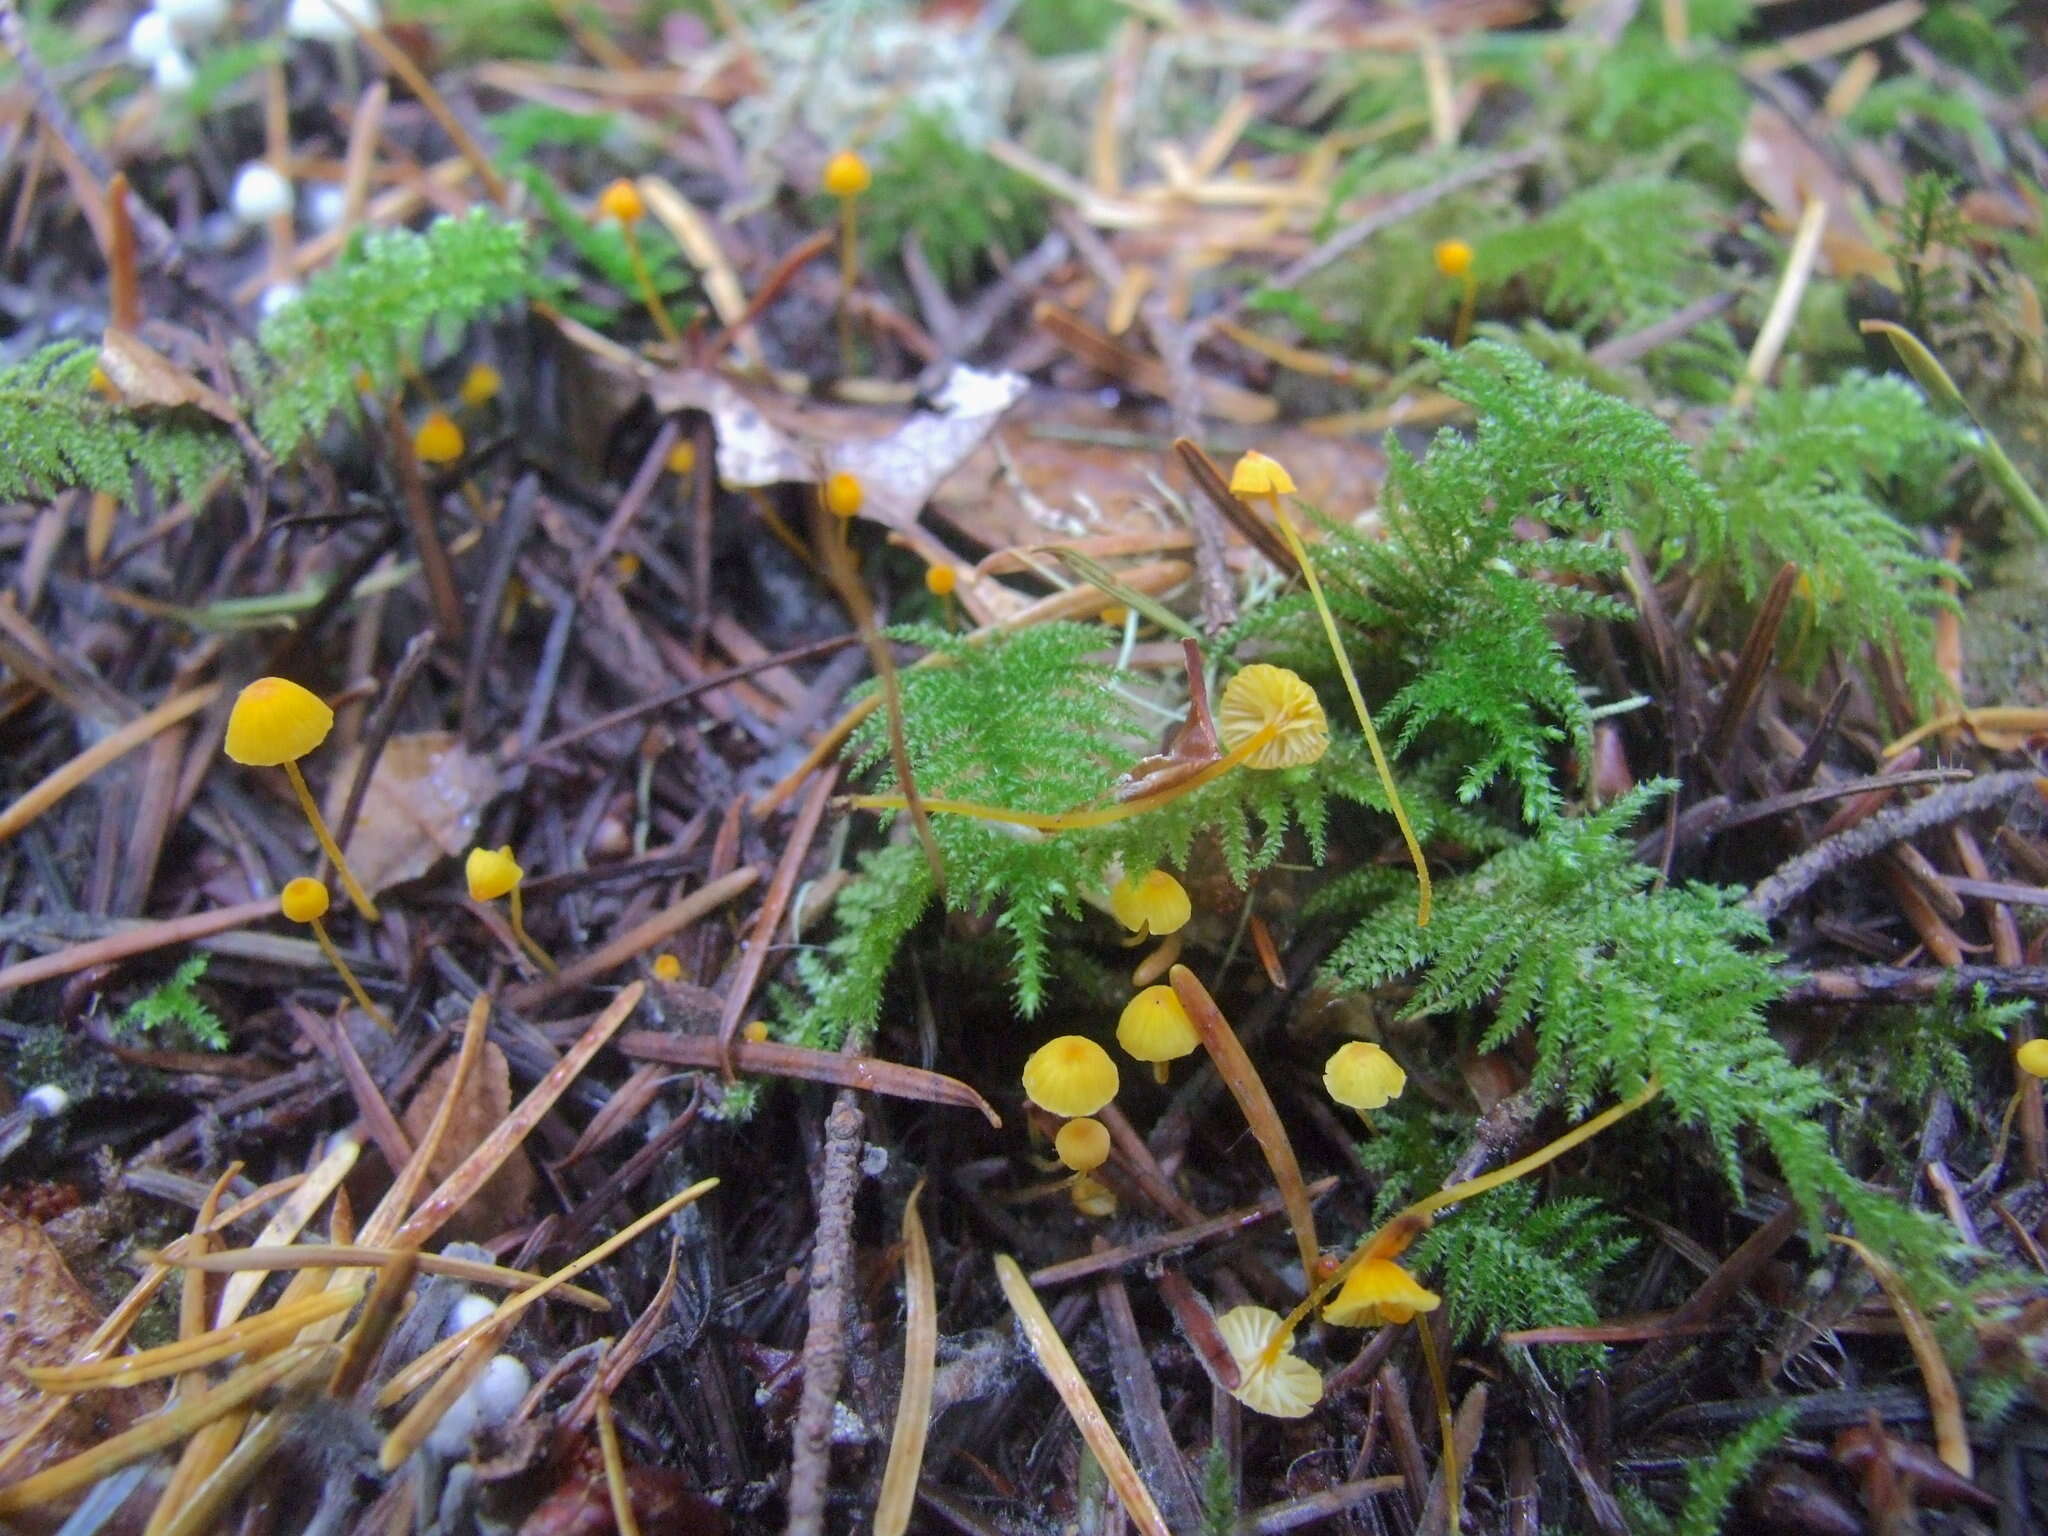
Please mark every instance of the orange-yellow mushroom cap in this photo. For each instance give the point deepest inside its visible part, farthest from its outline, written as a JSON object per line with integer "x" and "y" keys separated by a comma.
{"x": 682, "y": 458}
{"x": 303, "y": 900}
{"x": 480, "y": 386}
{"x": 1261, "y": 694}
{"x": 1070, "y": 1076}
{"x": 1287, "y": 1386}
{"x": 622, "y": 201}
{"x": 940, "y": 580}
{"x": 1453, "y": 257}
{"x": 492, "y": 872}
{"x": 667, "y": 968}
{"x": 1379, "y": 1291}
{"x": 2033, "y": 1058}
{"x": 438, "y": 440}
{"x": 1155, "y": 1027}
{"x": 843, "y": 495}
{"x": 1153, "y": 901}
{"x": 1092, "y": 1197}
{"x": 846, "y": 175}
{"x": 1257, "y": 475}
{"x": 1082, "y": 1145}
{"x": 1361, "y": 1075}
{"x": 276, "y": 721}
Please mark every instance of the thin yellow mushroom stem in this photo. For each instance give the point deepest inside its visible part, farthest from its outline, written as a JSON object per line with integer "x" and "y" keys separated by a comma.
{"x": 1100, "y": 816}
{"x": 540, "y": 956}
{"x": 1461, "y": 332}
{"x": 1372, "y": 737}
{"x": 1542, "y": 1155}
{"x": 643, "y": 276}
{"x": 356, "y": 894}
{"x": 849, "y": 274}
{"x": 1440, "y": 1388}
{"x": 348, "y": 976}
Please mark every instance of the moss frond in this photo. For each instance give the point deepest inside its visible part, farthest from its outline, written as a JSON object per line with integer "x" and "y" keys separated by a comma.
{"x": 61, "y": 433}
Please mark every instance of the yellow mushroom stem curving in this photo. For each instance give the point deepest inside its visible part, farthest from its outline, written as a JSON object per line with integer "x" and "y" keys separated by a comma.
{"x": 273, "y": 724}
{"x": 305, "y": 900}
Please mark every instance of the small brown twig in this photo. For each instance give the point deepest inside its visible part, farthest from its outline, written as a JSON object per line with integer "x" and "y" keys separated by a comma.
{"x": 824, "y": 1351}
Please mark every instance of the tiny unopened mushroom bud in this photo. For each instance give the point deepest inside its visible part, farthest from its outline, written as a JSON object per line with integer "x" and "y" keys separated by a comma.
{"x": 260, "y": 193}
{"x": 1082, "y": 1145}
{"x": 1071, "y": 1076}
{"x": 500, "y": 1389}
{"x": 438, "y": 440}
{"x": 1453, "y": 257}
{"x": 940, "y": 580}
{"x": 843, "y": 494}
{"x": 667, "y": 968}
{"x": 173, "y": 73}
{"x": 150, "y": 38}
{"x": 450, "y": 1435}
{"x": 480, "y": 386}
{"x": 2033, "y": 1058}
{"x": 469, "y": 1310}
{"x": 304, "y": 900}
{"x": 682, "y": 458}
{"x": 622, "y": 201}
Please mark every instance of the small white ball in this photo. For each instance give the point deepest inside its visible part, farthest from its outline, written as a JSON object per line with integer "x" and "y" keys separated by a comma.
{"x": 173, "y": 73}
{"x": 194, "y": 19}
{"x": 467, "y": 1312}
{"x": 46, "y": 1100}
{"x": 450, "y": 1436}
{"x": 149, "y": 39}
{"x": 502, "y": 1387}
{"x": 325, "y": 204}
{"x": 260, "y": 193}
{"x": 327, "y": 21}
{"x": 275, "y": 297}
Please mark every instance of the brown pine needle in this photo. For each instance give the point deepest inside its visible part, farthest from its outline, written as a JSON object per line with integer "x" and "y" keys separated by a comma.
{"x": 615, "y": 1469}
{"x": 1944, "y": 1402}
{"x": 55, "y": 785}
{"x": 356, "y": 1256}
{"x": 920, "y": 1360}
{"x": 1073, "y": 1389}
{"x": 289, "y": 1220}
{"x": 249, "y": 1335}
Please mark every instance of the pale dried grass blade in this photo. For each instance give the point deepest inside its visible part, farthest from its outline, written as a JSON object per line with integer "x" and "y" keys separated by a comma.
{"x": 391, "y": 1211}
{"x": 1944, "y": 1402}
{"x": 248, "y": 1335}
{"x": 475, "y": 1171}
{"x": 210, "y": 1498}
{"x": 1087, "y": 1414}
{"x": 1249, "y": 1089}
{"x": 356, "y": 1256}
{"x": 615, "y": 1470}
{"x": 920, "y": 1362}
{"x": 184, "y": 1417}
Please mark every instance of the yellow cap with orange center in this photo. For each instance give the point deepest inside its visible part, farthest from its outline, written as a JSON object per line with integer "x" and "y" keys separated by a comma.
{"x": 1070, "y": 1076}
{"x": 303, "y": 900}
{"x": 1379, "y": 1291}
{"x": 438, "y": 440}
{"x": 846, "y": 175}
{"x": 276, "y": 721}
{"x": 1152, "y": 902}
{"x": 622, "y": 201}
{"x": 1082, "y": 1145}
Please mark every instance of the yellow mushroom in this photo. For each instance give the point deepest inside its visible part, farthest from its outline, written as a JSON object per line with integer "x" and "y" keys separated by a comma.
{"x": 1361, "y": 1075}
{"x": 438, "y": 440}
{"x": 846, "y": 178}
{"x": 493, "y": 873}
{"x": 667, "y": 968}
{"x": 1379, "y": 1292}
{"x": 1282, "y": 1384}
{"x": 1156, "y": 1028}
{"x": 1091, "y": 1196}
{"x": 304, "y": 900}
{"x": 273, "y": 724}
{"x": 622, "y": 202}
{"x": 1070, "y": 1076}
{"x": 480, "y": 386}
{"x": 1454, "y": 260}
{"x": 2033, "y": 1058}
{"x": 1153, "y": 902}
{"x": 1082, "y": 1145}
{"x": 843, "y": 494}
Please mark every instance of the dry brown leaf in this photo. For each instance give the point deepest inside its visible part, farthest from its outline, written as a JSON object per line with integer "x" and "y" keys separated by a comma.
{"x": 45, "y": 1315}
{"x": 1784, "y": 169}
{"x": 143, "y": 378}
{"x": 426, "y": 799}
{"x": 769, "y": 439}
{"x": 485, "y": 1100}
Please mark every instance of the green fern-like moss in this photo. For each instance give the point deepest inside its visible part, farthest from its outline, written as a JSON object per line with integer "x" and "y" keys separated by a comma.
{"x": 61, "y": 433}
{"x": 371, "y": 310}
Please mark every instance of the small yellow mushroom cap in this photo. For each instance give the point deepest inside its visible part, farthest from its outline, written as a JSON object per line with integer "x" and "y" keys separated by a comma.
{"x": 1155, "y": 1027}
{"x": 492, "y": 872}
{"x": 1379, "y": 1291}
{"x": 1153, "y": 900}
{"x": 1287, "y": 1387}
{"x": 1083, "y": 1145}
{"x": 846, "y": 175}
{"x": 1361, "y": 1075}
{"x": 480, "y": 386}
{"x": 1453, "y": 257}
{"x": 276, "y": 721}
{"x": 1261, "y": 694}
{"x": 622, "y": 201}
{"x": 438, "y": 440}
{"x": 682, "y": 458}
{"x": 843, "y": 495}
{"x": 303, "y": 900}
{"x": 1092, "y": 1197}
{"x": 2033, "y": 1058}
{"x": 1070, "y": 1076}
{"x": 940, "y": 580}
{"x": 667, "y": 968}
{"x": 1257, "y": 475}
{"x": 755, "y": 1032}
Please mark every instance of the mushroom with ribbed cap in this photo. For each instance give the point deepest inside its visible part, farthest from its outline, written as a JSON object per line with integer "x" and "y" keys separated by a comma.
{"x": 305, "y": 900}
{"x": 1285, "y": 1386}
{"x": 1155, "y": 1027}
{"x": 1070, "y": 1076}
{"x": 1273, "y": 702}
{"x": 1378, "y": 1292}
{"x": 273, "y": 724}
{"x": 1256, "y": 474}
{"x": 1082, "y": 1145}
{"x": 1361, "y": 1075}
{"x": 1153, "y": 902}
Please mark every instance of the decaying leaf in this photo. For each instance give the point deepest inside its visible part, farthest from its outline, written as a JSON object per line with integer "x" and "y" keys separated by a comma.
{"x": 45, "y": 1315}
{"x": 426, "y": 799}
{"x": 144, "y": 378}
{"x": 1783, "y": 168}
{"x": 485, "y": 1100}
{"x": 900, "y": 460}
